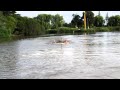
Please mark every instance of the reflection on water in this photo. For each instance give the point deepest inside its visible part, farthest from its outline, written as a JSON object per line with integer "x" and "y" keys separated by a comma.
{"x": 87, "y": 56}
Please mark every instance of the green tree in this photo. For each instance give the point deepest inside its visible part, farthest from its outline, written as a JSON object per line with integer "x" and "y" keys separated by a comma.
{"x": 98, "y": 21}
{"x": 67, "y": 25}
{"x": 89, "y": 18}
{"x": 11, "y": 23}
{"x": 7, "y": 25}
{"x": 114, "y": 21}
{"x": 57, "y": 21}
{"x": 8, "y": 13}
{"x": 3, "y": 30}
{"x": 76, "y": 21}
{"x": 27, "y": 26}
{"x": 44, "y": 20}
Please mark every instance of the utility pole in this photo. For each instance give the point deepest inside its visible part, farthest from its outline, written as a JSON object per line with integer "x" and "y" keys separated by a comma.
{"x": 85, "y": 20}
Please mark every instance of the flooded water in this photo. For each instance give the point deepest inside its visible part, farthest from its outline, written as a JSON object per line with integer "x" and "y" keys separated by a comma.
{"x": 93, "y": 56}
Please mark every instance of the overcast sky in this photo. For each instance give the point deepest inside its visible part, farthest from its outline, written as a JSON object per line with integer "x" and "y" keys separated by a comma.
{"x": 66, "y": 14}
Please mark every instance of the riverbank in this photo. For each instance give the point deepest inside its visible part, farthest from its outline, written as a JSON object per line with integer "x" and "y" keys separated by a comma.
{"x": 67, "y": 30}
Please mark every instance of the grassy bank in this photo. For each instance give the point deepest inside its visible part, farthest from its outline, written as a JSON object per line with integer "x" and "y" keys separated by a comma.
{"x": 61, "y": 30}
{"x": 67, "y": 30}
{"x": 64, "y": 30}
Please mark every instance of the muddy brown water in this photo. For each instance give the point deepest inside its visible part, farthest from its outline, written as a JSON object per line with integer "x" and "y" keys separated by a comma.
{"x": 93, "y": 56}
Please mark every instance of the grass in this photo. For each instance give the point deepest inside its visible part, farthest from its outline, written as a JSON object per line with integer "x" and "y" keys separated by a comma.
{"x": 107, "y": 29}
{"x": 68, "y": 30}
{"x": 61, "y": 30}
{"x": 65, "y": 30}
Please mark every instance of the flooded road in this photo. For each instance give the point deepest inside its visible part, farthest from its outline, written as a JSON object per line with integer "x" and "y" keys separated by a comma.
{"x": 93, "y": 56}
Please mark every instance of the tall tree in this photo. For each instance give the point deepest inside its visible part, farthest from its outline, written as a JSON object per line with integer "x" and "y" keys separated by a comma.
{"x": 114, "y": 20}
{"x": 98, "y": 21}
{"x": 106, "y": 18}
{"x": 27, "y": 26}
{"x": 3, "y": 29}
{"x": 8, "y": 13}
{"x": 57, "y": 21}
{"x": 89, "y": 18}
{"x": 44, "y": 20}
{"x": 76, "y": 21}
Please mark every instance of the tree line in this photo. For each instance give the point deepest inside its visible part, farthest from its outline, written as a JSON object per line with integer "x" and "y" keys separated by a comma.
{"x": 94, "y": 21}
{"x": 12, "y": 23}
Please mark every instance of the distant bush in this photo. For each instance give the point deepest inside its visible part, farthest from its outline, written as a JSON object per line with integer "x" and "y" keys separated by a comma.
{"x": 61, "y": 30}
{"x": 51, "y": 31}
{"x": 106, "y": 29}
{"x": 101, "y": 29}
{"x": 117, "y": 28}
{"x": 66, "y": 30}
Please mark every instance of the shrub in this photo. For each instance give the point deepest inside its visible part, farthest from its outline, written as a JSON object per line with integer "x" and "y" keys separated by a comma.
{"x": 51, "y": 31}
